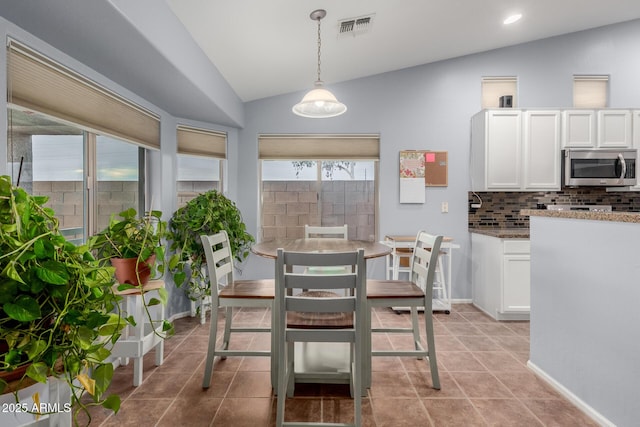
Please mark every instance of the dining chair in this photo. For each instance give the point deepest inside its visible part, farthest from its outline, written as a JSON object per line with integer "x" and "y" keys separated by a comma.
{"x": 226, "y": 292}
{"x": 319, "y": 316}
{"x": 415, "y": 292}
{"x": 336, "y": 232}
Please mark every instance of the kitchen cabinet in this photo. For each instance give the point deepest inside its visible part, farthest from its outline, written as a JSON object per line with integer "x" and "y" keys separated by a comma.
{"x": 614, "y": 129}
{"x": 541, "y": 154}
{"x": 607, "y": 128}
{"x": 514, "y": 150}
{"x": 578, "y": 129}
{"x": 501, "y": 278}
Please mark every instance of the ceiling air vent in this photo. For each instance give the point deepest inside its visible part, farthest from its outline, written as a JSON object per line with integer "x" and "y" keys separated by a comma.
{"x": 355, "y": 26}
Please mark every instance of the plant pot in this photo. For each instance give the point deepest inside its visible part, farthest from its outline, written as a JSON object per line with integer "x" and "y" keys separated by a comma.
{"x": 126, "y": 270}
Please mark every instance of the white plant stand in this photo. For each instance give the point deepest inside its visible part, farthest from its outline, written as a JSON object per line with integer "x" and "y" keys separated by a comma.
{"x": 54, "y": 397}
{"x": 136, "y": 341}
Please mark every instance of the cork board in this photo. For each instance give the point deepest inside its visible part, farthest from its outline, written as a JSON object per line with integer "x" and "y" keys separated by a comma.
{"x": 436, "y": 168}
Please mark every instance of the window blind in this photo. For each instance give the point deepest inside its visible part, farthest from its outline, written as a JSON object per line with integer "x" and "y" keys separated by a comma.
{"x": 202, "y": 142}
{"x": 495, "y": 87}
{"x": 319, "y": 147}
{"x": 590, "y": 91}
{"x": 38, "y": 83}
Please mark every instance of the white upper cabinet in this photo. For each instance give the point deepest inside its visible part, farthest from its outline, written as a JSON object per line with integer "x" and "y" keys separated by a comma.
{"x": 596, "y": 129}
{"x": 541, "y": 144}
{"x": 614, "y": 128}
{"x": 579, "y": 129}
{"x": 513, "y": 150}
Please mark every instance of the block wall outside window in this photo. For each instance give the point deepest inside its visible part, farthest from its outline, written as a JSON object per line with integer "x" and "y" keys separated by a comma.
{"x": 288, "y": 205}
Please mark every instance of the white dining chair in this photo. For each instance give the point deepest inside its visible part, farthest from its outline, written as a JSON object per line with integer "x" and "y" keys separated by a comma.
{"x": 226, "y": 292}
{"x": 320, "y": 315}
{"x": 325, "y": 232}
{"x": 415, "y": 292}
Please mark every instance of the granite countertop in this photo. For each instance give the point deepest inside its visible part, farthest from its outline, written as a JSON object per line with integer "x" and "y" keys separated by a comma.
{"x": 594, "y": 216}
{"x": 503, "y": 233}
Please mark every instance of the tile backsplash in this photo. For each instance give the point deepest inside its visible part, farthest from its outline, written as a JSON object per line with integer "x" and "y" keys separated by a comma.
{"x": 502, "y": 209}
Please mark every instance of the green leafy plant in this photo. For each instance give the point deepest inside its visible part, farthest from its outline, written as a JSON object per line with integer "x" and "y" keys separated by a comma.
{"x": 132, "y": 237}
{"x": 139, "y": 238}
{"x": 58, "y": 312}
{"x": 208, "y": 213}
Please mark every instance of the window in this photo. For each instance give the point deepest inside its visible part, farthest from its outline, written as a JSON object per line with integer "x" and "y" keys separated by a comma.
{"x": 316, "y": 186}
{"x": 590, "y": 91}
{"x": 75, "y": 141}
{"x": 197, "y": 175}
{"x": 51, "y": 158}
{"x": 493, "y": 88}
{"x": 200, "y": 157}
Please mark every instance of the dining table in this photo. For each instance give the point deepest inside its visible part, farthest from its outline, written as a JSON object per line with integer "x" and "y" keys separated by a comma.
{"x": 314, "y": 367}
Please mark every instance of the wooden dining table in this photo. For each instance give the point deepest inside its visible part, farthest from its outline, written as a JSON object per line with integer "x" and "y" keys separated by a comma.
{"x": 371, "y": 250}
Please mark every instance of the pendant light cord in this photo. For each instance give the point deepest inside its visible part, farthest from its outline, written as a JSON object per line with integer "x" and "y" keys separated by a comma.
{"x": 319, "y": 46}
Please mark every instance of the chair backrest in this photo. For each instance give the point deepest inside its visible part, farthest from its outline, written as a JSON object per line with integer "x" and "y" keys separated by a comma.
{"x": 219, "y": 260}
{"x": 338, "y": 232}
{"x": 423, "y": 263}
{"x": 320, "y": 309}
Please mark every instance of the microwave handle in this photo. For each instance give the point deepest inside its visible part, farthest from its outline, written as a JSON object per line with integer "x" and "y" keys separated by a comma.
{"x": 624, "y": 166}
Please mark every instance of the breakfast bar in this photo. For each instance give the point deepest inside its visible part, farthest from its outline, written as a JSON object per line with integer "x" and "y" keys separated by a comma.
{"x": 585, "y": 321}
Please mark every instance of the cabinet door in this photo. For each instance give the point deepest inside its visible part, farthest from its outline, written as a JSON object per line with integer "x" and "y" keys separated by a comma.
{"x": 614, "y": 128}
{"x": 579, "y": 128}
{"x": 541, "y": 144}
{"x": 516, "y": 285}
{"x": 503, "y": 150}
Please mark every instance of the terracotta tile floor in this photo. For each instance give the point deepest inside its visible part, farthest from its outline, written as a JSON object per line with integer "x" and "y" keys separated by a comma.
{"x": 483, "y": 373}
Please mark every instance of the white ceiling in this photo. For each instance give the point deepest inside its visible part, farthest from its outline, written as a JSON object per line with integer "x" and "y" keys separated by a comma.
{"x": 268, "y": 47}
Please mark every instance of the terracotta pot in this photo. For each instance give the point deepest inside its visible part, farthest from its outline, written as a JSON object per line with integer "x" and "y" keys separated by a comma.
{"x": 126, "y": 270}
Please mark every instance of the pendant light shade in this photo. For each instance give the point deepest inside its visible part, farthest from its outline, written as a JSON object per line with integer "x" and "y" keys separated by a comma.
{"x": 319, "y": 103}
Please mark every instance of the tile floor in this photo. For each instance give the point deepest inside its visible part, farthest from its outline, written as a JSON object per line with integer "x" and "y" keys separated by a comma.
{"x": 483, "y": 373}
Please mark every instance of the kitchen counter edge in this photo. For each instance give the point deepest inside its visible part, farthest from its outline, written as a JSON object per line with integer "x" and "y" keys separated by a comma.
{"x": 503, "y": 233}
{"x": 633, "y": 217}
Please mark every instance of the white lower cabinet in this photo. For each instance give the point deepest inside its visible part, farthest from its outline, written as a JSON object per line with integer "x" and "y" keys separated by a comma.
{"x": 501, "y": 276}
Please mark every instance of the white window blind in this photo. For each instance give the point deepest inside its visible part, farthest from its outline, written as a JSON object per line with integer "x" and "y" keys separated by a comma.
{"x": 495, "y": 87}
{"x": 40, "y": 84}
{"x": 202, "y": 142}
{"x": 319, "y": 147}
{"x": 590, "y": 91}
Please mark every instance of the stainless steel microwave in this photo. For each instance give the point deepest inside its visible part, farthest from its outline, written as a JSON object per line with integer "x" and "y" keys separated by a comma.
{"x": 603, "y": 167}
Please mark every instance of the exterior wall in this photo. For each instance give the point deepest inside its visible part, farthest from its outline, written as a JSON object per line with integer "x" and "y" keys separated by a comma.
{"x": 288, "y": 205}
{"x": 188, "y": 190}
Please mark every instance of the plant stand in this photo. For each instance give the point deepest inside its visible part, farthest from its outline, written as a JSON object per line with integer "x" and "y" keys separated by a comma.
{"x": 55, "y": 397}
{"x": 136, "y": 341}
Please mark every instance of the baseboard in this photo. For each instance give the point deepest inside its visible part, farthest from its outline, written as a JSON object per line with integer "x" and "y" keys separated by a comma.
{"x": 579, "y": 403}
{"x": 461, "y": 301}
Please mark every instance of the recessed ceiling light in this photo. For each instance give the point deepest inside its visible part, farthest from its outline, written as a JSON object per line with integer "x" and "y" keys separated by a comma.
{"x": 513, "y": 18}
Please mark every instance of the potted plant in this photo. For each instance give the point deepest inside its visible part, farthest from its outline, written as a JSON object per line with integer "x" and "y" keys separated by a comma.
{"x": 133, "y": 246}
{"x": 208, "y": 213}
{"x": 57, "y": 306}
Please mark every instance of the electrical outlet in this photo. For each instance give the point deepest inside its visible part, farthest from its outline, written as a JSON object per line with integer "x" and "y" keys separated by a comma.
{"x": 445, "y": 207}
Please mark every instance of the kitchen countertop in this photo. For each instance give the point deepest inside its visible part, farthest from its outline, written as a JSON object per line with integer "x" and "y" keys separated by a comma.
{"x": 594, "y": 216}
{"x": 503, "y": 233}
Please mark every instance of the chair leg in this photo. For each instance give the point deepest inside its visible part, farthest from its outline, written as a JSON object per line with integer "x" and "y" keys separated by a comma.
{"x": 416, "y": 329}
{"x": 291, "y": 377}
{"x": 227, "y": 328}
{"x": 211, "y": 351}
{"x": 431, "y": 347}
{"x": 283, "y": 364}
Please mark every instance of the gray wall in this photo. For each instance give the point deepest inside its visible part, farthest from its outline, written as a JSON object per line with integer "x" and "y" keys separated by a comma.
{"x": 585, "y": 322}
{"x": 429, "y": 107}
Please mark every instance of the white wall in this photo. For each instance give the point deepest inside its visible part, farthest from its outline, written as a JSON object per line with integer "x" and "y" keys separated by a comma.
{"x": 429, "y": 107}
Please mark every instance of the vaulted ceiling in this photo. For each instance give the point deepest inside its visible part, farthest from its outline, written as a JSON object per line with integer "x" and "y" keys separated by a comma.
{"x": 201, "y": 59}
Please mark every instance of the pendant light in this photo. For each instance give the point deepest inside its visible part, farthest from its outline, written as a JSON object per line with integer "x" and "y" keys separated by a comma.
{"x": 319, "y": 103}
